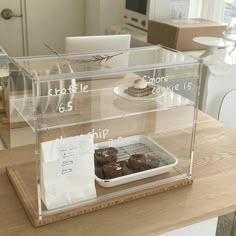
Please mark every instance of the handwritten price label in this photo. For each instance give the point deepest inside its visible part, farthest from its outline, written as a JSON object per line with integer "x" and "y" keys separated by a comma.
{"x": 73, "y": 88}
{"x": 62, "y": 108}
{"x": 66, "y": 162}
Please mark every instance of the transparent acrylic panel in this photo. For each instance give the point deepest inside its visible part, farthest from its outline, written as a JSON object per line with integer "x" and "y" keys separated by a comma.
{"x": 88, "y": 65}
{"x": 4, "y": 74}
{"x": 111, "y": 116}
{"x": 74, "y": 96}
{"x": 20, "y": 88}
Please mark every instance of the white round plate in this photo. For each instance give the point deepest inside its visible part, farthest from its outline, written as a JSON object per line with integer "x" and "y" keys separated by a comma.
{"x": 120, "y": 91}
{"x": 213, "y": 41}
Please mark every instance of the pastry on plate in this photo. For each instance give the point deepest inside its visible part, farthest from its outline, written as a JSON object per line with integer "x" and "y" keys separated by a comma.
{"x": 140, "y": 88}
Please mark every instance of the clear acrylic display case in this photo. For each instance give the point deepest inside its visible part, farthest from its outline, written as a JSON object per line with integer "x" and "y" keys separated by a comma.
{"x": 4, "y": 73}
{"x": 142, "y": 102}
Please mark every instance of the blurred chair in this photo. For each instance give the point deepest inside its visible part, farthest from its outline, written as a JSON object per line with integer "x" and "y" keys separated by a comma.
{"x": 227, "y": 114}
{"x": 96, "y": 43}
{"x": 83, "y": 44}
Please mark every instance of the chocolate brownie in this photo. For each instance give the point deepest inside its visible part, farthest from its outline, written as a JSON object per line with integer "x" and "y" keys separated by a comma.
{"x": 114, "y": 170}
{"x": 105, "y": 155}
{"x": 140, "y": 162}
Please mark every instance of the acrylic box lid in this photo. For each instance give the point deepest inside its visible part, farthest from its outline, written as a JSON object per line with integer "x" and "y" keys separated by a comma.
{"x": 106, "y": 96}
{"x": 46, "y": 68}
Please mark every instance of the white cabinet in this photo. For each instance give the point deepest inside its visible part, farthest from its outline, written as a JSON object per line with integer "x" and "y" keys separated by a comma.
{"x": 205, "y": 228}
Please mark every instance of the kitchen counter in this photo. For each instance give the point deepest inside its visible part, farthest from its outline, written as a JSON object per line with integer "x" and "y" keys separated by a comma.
{"x": 212, "y": 194}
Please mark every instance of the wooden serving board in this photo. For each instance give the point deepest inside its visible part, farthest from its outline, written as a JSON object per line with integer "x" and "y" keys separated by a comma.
{"x": 23, "y": 179}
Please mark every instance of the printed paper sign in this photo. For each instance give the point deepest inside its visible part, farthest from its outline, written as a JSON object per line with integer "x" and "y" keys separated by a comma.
{"x": 67, "y": 171}
{"x": 67, "y": 160}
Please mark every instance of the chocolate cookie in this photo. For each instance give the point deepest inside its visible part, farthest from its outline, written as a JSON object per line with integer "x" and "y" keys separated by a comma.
{"x": 114, "y": 170}
{"x": 105, "y": 155}
{"x": 139, "y": 92}
{"x": 140, "y": 162}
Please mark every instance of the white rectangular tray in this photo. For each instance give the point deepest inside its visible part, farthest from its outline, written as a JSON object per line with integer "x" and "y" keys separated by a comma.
{"x": 137, "y": 144}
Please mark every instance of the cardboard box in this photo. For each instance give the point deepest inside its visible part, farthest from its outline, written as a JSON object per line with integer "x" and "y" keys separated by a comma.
{"x": 179, "y": 34}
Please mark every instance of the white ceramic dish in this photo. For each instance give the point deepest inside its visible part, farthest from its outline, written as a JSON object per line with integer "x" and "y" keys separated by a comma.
{"x": 137, "y": 144}
{"x": 157, "y": 92}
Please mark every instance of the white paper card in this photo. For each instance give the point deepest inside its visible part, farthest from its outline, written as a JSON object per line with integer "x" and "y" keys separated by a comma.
{"x": 67, "y": 171}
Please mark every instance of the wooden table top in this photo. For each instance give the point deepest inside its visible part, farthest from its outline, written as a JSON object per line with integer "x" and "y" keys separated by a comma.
{"x": 212, "y": 194}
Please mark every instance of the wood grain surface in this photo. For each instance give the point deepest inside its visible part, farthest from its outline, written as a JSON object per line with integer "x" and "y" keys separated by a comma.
{"x": 24, "y": 182}
{"x": 212, "y": 194}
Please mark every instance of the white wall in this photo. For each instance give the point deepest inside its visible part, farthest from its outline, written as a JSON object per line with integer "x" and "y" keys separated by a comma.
{"x": 111, "y": 13}
{"x": 92, "y": 17}
{"x": 166, "y": 9}
{"x": 51, "y": 23}
{"x": 101, "y": 14}
{"x": 195, "y": 8}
